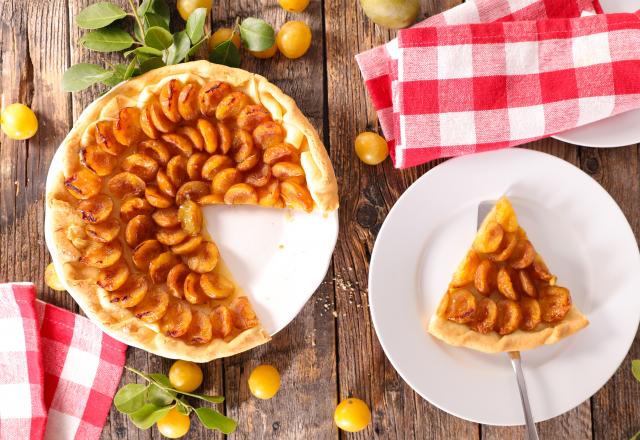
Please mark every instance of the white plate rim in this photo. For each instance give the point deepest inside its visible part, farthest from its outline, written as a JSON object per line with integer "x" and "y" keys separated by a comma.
{"x": 372, "y": 295}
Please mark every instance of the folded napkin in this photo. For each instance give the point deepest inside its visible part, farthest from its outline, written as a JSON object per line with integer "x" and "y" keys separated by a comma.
{"x": 378, "y": 66}
{"x": 479, "y": 87}
{"x": 58, "y": 371}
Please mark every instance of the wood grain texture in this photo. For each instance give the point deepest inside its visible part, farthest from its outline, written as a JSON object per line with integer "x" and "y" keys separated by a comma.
{"x": 330, "y": 351}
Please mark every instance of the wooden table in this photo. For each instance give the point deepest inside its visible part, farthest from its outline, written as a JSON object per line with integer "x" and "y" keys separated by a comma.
{"x": 330, "y": 351}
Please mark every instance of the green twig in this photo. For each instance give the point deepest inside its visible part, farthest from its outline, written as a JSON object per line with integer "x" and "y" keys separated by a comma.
{"x": 135, "y": 15}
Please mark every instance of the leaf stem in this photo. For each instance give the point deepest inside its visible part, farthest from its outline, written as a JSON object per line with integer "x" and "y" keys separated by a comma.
{"x": 166, "y": 388}
{"x": 135, "y": 15}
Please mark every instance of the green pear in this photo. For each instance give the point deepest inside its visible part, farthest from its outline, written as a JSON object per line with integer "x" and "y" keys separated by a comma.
{"x": 391, "y": 13}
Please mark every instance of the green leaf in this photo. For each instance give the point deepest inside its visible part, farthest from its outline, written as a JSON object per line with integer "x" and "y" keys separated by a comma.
{"x": 635, "y": 368}
{"x": 212, "y": 399}
{"x": 81, "y": 76}
{"x": 130, "y": 398}
{"x": 179, "y": 49}
{"x": 149, "y": 414}
{"x": 99, "y": 15}
{"x": 117, "y": 75}
{"x": 148, "y": 21}
{"x": 195, "y": 24}
{"x": 158, "y": 38}
{"x": 156, "y": 394}
{"x": 144, "y": 50}
{"x": 257, "y": 35}
{"x": 157, "y": 7}
{"x": 636, "y": 436}
{"x": 110, "y": 39}
{"x": 183, "y": 407}
{"x": 150, "y": 64}
{"x": 131, "y": 70}
{"x": 212, "y": 419}
{"x": 225, "y": 53}
{"x": 194, "y": 49}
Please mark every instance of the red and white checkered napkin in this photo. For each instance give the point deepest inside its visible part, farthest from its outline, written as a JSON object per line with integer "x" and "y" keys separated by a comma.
{"x": 470, "y": 88}
{"x": 58, "y": 371}
{"x": 379, "y": 65}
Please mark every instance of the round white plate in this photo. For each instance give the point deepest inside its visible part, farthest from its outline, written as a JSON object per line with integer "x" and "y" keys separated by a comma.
{"x": 575, "y": 225}
{"x": 619, "y": 130}
{"x": 278, "y": 256}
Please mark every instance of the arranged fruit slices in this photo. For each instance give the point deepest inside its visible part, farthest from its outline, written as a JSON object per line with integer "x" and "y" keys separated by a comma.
{"x": 502, "y": 296}
{"x": 125, "y": 213}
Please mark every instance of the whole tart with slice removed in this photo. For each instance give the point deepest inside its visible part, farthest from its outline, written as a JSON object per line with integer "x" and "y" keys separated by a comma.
{"x": 124, "y": 218}
{"x": 503, "y": 296}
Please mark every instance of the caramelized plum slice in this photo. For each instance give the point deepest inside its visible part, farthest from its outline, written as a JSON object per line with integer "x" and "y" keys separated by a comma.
{"x": 131, "y": 293}
{"x": 105, "y": 231}
{"x": 98, "y": 160}
{"x": 282, "y": 152}
{"x": 106, "y": 139}
{"x": 250, "y": 162}
{"x": 259, "y": 177}
{"x": 132, "y": 206}
{"x": 188, "y": 246}
{"x": 527, "y": 284}
{"x": 231, "y": 105}
{"x": 188, "y": 102}
{"x": 154, "y": 305}
{"x": 484, "y": 277}
{"x": 210, "y": 95}
{"x": 165, "y": 185}
{"x": 241, "y": 145}
{"x": 531, "y": 315}
{"x": 145, "y": 252}
{"x": 127, "y": 129}
{"x": 506, "y": 216}
{"x": 166, "y": 217}
{"x": 221, "y": 322}
{"x": 157, "y": 198}
{"x": 461, "y": 306}
{"x": 177, "y": 319}
{"x": 209, "y": 135}
{"x": 242, "y": 313}
{"x": 251, "y": 116}
{"x": 214, "y": 165}
{"x": 211, "y": 199}
{"x": 288, "y": 171}
{"x": 113, "y": 277}
{"x": 216, "y": 286}
{"x": 156, "y": 150}
{"x": 96, "y": 209}
{"x": 241, "y": 194}
{"x": 505, "y": 284}
{"x": 159, "y": 120}
{"x": 101, "y": 255}
{"x": 489, "y": 238}
{"x": 200, "y": 331}
{"x": 161, "y": 265}
{"x": 296, "y": 196}
{"x": 192, "y": 290}
{"x": 146, "y": 123}
{"x": 269, "y": 195}
{"x": 193, "y": 135}
{"x": 193, "y": 190}
{"x": 466, "y": 271}
{"x": 171, "y": 236}
{"x": 540, "y": 270}
{"x": 141, "y": 165}
{"x": 269, "y": 134}
{"x": 126, "y": 183}
{"x": 555, "y": 303}
{"x": 169, "y": 100}
{"x": 485, "y": 317}
{"x": 509, "y": 243}
{"x": 204, "y": 259}
{"x": 83, "y": 184}
{"x": 190, "y": 217}
{"x": 139, "y": 229}
{"x": 177, "y": 170}
{"x": 195, "y": 164}
{"x": 180, "y": 144}
{"x": 509, "y": 317}
{"x": 175, "y": 279}
{"x": 523, "y": 255}
{"x": 225, "y": 137}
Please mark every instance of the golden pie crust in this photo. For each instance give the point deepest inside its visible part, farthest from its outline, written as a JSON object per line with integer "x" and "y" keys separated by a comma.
{"x": 62, "y": 217}
{"x": 458, "y": 324}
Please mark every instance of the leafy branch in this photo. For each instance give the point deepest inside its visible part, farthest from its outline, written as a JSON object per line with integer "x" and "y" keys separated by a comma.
{"x": 146, "y": 404}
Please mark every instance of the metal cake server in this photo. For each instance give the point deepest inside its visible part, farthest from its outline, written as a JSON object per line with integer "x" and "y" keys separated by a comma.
{"x": 532, "y": 433}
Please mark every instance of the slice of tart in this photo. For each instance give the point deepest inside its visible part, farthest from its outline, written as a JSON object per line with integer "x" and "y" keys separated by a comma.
{"x": 503, "y": 297}
{"x": 124, "y": 218}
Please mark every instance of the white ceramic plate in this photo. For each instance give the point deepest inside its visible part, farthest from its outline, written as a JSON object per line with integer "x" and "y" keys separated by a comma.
{"x": 278, "y": 256}
{"x": 619, "y": 130}
{"x": 574, "y": 224}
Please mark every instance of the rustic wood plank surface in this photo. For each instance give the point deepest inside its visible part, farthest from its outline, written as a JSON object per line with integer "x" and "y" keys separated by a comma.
{"x": 330, "y": 351}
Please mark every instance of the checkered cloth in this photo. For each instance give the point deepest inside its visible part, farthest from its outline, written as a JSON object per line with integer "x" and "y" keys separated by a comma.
{"x": 470, "y": 88}
{"x": 58, "y": 371}
{"x": 379, "y": 65}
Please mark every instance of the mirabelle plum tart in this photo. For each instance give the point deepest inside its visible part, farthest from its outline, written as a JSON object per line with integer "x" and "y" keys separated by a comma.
{"x": 124, "y": 218}
{"x": 503, "y": 297}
